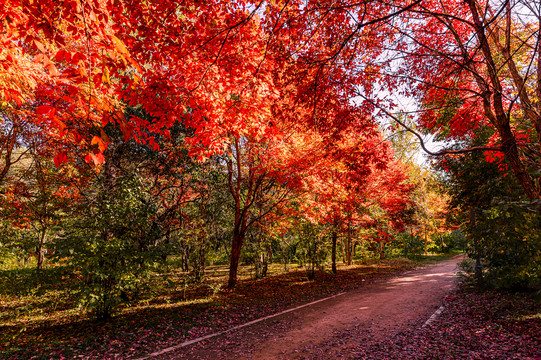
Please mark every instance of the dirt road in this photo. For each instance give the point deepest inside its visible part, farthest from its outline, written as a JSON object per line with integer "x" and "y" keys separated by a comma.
{"x": 330, "y": 329}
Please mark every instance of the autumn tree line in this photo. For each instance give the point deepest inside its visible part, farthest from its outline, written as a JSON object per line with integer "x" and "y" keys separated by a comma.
{"x": 250, "y": 132}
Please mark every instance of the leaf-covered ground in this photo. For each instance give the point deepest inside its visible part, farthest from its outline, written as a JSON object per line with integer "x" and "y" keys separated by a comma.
{"x": 473, "y": 325}
{"x": 42, "y": 324}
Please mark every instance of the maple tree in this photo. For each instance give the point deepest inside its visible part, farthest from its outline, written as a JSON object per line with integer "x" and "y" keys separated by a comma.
{"x": 263, "y": 93}
{"x": 143, "y": 141}
{"x": 251, "y": 185}
{"x": 477, "y": 66}
{"x": 497, "y": 218}
{"x": 469, "y": 66}
{"x": 50, "y": 69}
{"x": 91, "y": 57}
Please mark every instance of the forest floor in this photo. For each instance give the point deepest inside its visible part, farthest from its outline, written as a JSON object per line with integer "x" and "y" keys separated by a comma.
{"x": 471, "y": 326}
{"x": 420, "y": 314}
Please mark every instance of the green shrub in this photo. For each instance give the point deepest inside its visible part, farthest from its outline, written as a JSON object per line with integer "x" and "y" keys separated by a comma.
{"x": 111, "y": 246}
{"x": 509, "y": 244}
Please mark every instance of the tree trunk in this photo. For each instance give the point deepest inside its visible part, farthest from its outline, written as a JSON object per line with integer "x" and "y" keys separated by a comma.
{"x": 40, "y": 254}
{"x": 285, "y": 256}
{"x": 185, "y": 263}
{"x": 349, "y": 247}
{"x": 381, "y": 250}
{"x": 167, "y": 242}
{"x": 202, "y": 258}
{"x": 264, "y": 265}
{"x": 349, "y": 251}
{"x": 509, "y": 146}
{"x": 236, "y": 246}
{"x": 333, "y": 253}
{"x": 426, "y": 243}
{"x": 343, "y": 251}
{"x": 269, "y": 254}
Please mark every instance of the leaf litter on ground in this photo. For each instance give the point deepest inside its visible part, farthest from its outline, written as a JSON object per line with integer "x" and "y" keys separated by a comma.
{"x": 175, "y": 316}
{"x": 474, "y": 325}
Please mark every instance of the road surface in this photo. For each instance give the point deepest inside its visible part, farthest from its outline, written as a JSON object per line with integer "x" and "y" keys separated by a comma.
{"x": 328, "y": 329}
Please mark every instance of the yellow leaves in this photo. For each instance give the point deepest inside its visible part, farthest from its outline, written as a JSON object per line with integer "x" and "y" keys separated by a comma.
{"x": 82, "y": 71}
{"x": 105, "y": 76}
{"x": 121, "y": 49}
{"x": 119, "y": 45}
{"x": 124, "y": 54}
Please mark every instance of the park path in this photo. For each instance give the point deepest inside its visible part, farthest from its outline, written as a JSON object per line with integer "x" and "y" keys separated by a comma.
{"x": 382, "y": 308}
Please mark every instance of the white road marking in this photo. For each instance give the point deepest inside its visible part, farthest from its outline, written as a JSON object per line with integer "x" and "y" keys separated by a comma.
{"x": 433, "y": 317}
{"x": 190, "y": 342}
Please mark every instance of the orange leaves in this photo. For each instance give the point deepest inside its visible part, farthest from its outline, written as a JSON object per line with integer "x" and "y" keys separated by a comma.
{"x": 47, "y": 64}
{"x": 53, "y": 71}
{"x": 122, "y": 51}
{"x": 40, "y": 46}
{"x": 97, "y": 159}
{"x": 104, "y": 137}
{"x": 119, "y": 45}
{"x": 100, "y": 142}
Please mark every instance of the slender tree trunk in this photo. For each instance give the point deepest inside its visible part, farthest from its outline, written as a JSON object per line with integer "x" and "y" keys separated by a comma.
{"x": 349, "y": 245}
{"x": 334, "y": 238}
{"x": 426, "y": 243}
{"x": 285, "y": 256}
{"x": 343, "y": 250}
{"x": 202, "y": 258}
{"x": 40, "y": 254}
{"x": 349, "y": 251}
{"x": 185, "y": 262}
{"x": 264, "y": 265}
{"x": 269, "y": 254}
{"x": 167, "y": 242}
{"x": 8, "y": 146}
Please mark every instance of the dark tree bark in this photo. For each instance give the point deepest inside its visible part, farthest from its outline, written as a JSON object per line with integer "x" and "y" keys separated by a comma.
{"x": 236, "y": 246}
{"x": 334, "y": 238}
{"x": 41, "y": 254}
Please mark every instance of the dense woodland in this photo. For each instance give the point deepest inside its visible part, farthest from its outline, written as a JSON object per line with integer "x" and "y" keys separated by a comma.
{"x": 137, "y": 136}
